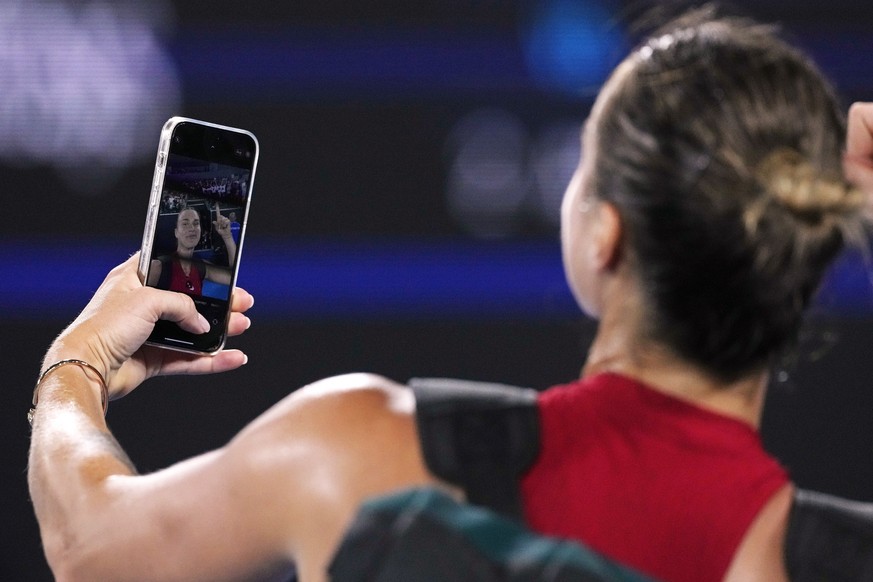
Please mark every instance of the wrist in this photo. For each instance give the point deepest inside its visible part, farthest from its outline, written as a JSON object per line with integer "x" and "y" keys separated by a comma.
{"x": 58, "y": 377}
{"x": 68, "y": 346}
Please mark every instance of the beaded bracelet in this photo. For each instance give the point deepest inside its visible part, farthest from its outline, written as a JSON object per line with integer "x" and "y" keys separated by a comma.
{"x": 104, "y": 397}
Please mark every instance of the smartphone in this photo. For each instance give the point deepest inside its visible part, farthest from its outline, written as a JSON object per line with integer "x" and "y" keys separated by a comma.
{"x": 196, "y": 222}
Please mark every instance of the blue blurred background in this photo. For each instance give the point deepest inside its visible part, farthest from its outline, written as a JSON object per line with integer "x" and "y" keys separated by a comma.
{"x": 404, "y": 216}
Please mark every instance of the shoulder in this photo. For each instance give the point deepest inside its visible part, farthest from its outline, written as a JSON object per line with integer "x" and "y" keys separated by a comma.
{"x": 342, "y": 416}
{"x": 163, "y": 261}
{"x": 760, "y": 555}
{"x": 321, "y": 451}
{"x": 156, "y": 269}
{"x": 341, "y": 424}
{"x": 346, "y": 403}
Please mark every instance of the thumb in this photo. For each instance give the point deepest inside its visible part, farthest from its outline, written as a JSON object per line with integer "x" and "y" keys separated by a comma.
{"x": 179, "y": 308}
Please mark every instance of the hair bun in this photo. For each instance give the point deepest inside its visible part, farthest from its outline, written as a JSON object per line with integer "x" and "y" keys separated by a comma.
{"x": 795, "y": 184}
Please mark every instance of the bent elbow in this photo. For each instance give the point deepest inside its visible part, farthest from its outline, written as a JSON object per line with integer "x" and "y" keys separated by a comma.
{"x": 67, "y": 560}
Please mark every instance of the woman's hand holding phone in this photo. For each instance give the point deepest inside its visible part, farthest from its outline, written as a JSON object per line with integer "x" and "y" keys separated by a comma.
{"x": 111, "y": 331}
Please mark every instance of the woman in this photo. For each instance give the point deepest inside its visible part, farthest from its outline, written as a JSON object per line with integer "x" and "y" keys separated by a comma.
{"x": 708, "y": 204}
{"x": 182, "y": 271}
{"x": 709, "y": 201}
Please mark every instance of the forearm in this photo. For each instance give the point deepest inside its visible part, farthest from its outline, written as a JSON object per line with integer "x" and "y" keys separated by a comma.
{"x": 98, "y": 519}
{"x": 230, "y": 245}
{"x": 72, "y": 455}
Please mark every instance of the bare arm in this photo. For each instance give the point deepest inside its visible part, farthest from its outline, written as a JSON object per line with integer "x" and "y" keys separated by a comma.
{"x": 325, "y": 449}
{"x": 220, "y": 275}
{"x": 221, "y": 224}
{"x": 222, "y": 227}
{"x": 99, "y": 521}
{"x": 77, "y": 472}
{"x": 283, "y": 490}
{"x": 761, "y": 554}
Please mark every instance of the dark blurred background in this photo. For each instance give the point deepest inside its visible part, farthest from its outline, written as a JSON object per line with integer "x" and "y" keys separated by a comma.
{"x": 404, "y": 218}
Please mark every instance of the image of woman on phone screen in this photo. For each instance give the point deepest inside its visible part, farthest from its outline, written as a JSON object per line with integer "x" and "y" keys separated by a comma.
{"x": 181, "y": 270}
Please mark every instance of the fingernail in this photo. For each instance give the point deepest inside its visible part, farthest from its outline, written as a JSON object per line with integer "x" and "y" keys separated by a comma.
{"x": 204, "y": 325}
{"x": 245, "y": 360}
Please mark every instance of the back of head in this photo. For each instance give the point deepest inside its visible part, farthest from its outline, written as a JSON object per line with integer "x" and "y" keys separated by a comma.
{"x": 721, "y": 146}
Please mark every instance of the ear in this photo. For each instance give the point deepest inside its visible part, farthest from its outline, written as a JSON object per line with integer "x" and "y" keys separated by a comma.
{"x": 607, "y": 237}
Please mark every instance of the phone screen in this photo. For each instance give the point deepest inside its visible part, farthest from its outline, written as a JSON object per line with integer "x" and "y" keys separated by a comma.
{"x": 197, "y": 219}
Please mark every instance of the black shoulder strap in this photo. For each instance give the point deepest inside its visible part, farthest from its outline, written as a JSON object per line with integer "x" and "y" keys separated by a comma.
{"x": 166, "y": 272}
{"x": 829, "y": 538}
{"x": 201, "y": 268}
{"x": 478, "y": 436}
{"x": 482, "y": 437}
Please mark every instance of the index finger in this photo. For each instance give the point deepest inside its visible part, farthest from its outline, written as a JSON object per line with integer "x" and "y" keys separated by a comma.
{"x": 858, "y": 161}
{"x": 859, "y": 137}
{"x": 241, "y": 300}
{"x": 178, "y": 308}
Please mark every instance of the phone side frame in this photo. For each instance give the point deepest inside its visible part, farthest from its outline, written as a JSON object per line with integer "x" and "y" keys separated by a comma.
{"x": 148, "y": 236}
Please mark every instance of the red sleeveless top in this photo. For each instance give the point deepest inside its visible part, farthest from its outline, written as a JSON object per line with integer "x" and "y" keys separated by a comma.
{"x": 652, "y": 481}
{"x": 192, "y": 284}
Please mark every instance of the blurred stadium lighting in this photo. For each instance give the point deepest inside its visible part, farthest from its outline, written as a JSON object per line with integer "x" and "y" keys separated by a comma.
{"x": 487, "y": 178}
{"x": 503, "y": 177}
{"x": 86, "y": 86}
{"x": 571, "y": 45}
